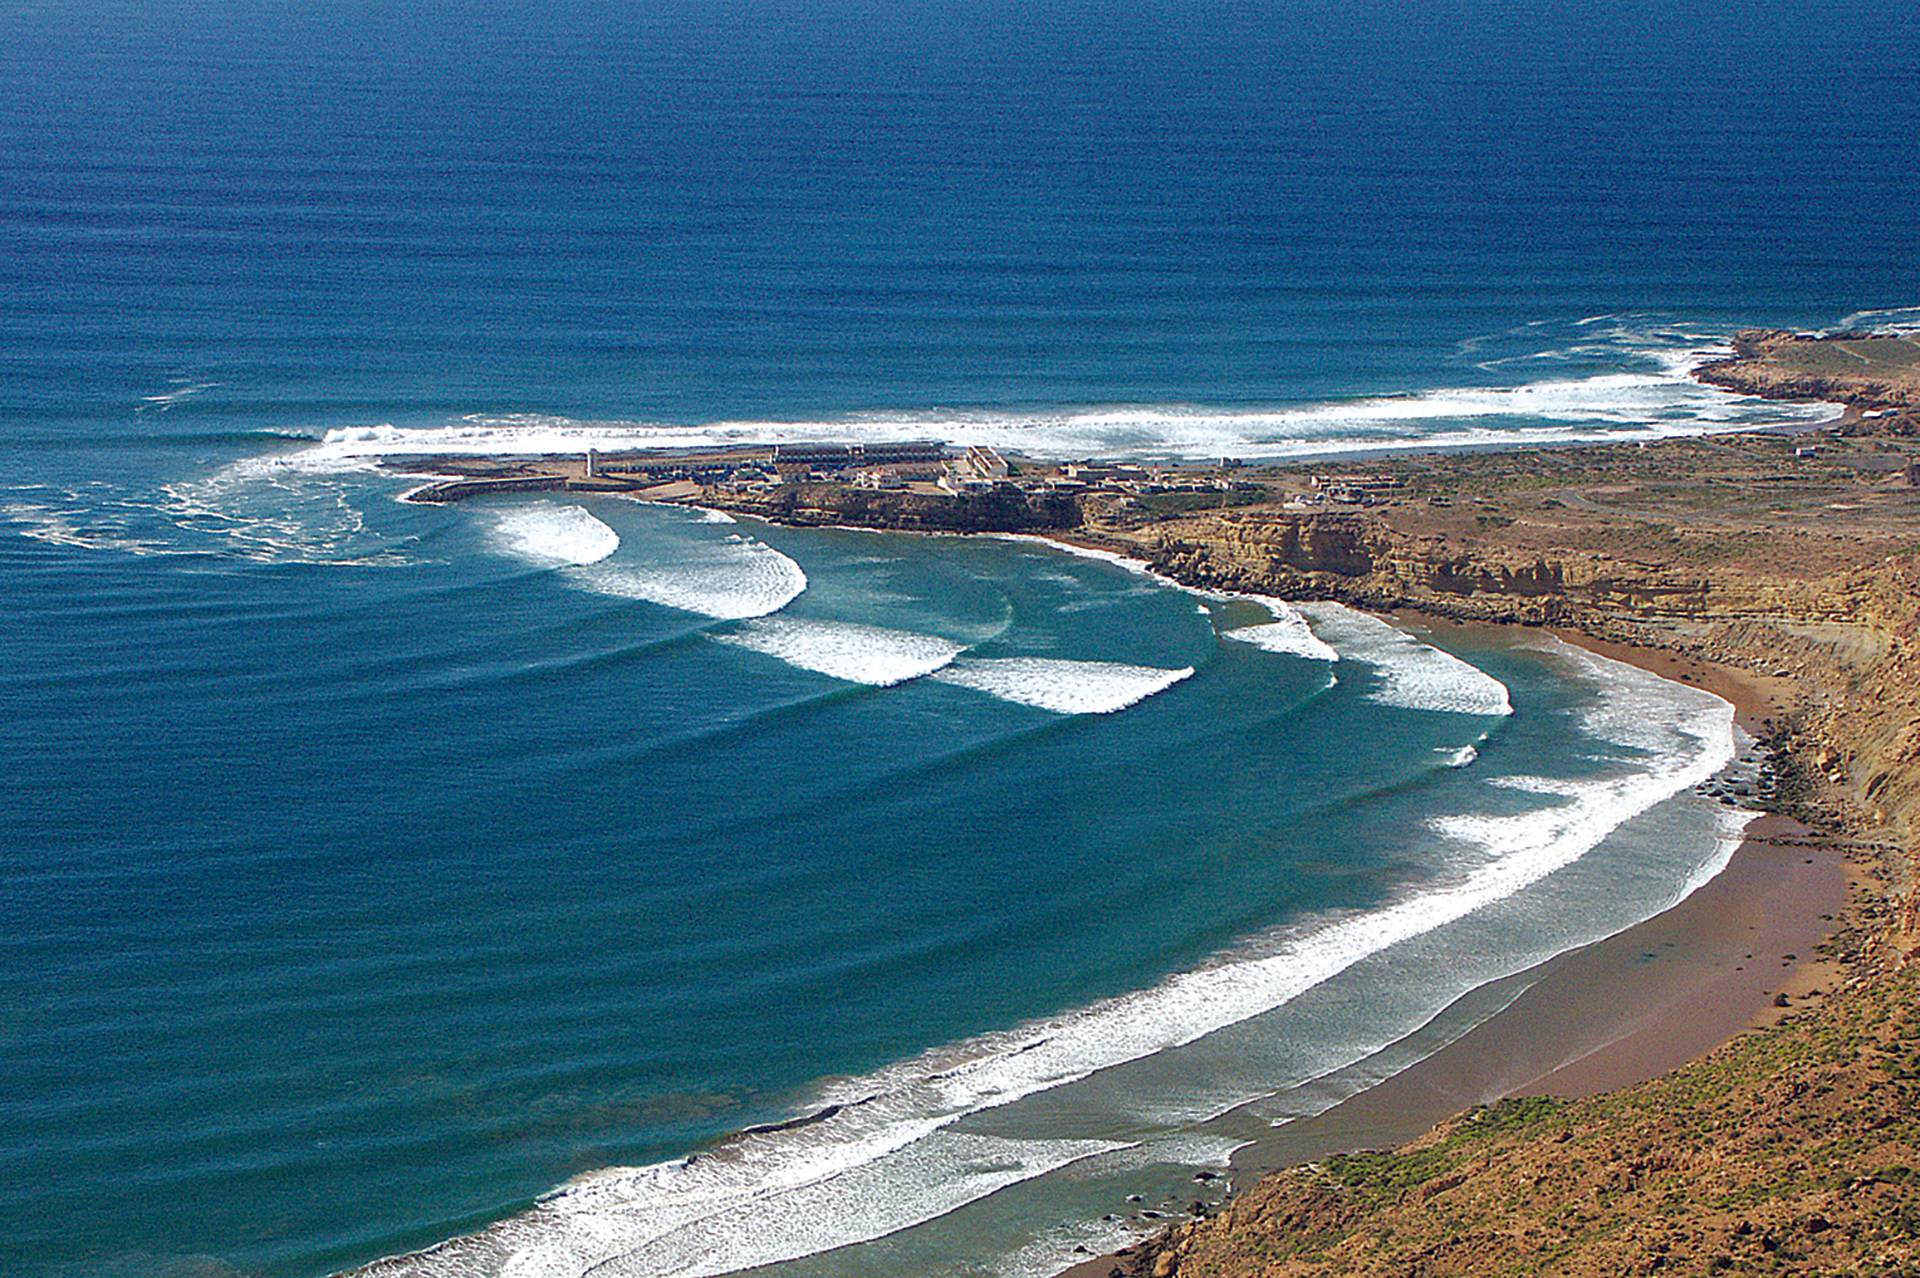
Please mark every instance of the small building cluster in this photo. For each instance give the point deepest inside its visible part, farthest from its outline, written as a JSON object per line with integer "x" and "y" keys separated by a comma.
{"x": 924, "y": 466}
{"x": 1355, "y": 490}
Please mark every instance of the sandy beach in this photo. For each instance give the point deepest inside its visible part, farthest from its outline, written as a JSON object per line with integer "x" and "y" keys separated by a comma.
{"x": 1619, "y": 1011}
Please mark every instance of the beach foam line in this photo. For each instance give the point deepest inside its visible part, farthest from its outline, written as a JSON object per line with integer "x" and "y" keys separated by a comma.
{"x": 1413, "y": 675}
{"x": 547, "y": 534}
{"x": 731, "y": 578}
{"x": 889, "y": 1156}
{"x": 1062, "y": 686}
{"x": 873, "y": 655}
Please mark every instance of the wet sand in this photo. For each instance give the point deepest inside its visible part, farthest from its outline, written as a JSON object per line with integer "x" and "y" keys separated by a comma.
{"x": 1618, "y": 1011}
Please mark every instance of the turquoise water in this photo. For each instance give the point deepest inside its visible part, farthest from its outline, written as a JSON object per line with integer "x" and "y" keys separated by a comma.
{"x": 586, "y": 834}
{"x": 369, "y": 870}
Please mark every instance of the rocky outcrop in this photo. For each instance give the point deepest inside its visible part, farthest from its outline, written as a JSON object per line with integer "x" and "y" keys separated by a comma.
{"x": 1763, "y": 364}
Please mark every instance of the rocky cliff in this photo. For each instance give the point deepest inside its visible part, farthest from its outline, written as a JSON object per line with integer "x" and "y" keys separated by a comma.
{"x": 1363, "y": 560}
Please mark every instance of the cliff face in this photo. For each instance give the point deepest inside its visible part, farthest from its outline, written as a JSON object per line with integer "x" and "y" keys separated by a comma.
{"x": 1362, "y": 560}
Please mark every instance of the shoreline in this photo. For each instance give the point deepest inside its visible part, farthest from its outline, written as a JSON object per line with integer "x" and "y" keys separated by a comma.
{"x": 1614, "y": 1012}
{"x": 1627, "y": 1008}
{"x": 1652, "y": 999}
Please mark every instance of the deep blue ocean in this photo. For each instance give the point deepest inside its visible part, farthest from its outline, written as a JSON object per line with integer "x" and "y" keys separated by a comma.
{"x": 369, "y": 870}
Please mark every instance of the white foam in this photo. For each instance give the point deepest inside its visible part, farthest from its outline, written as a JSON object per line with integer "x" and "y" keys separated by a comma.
{"x": 729, "y": 579}
{"x": 1654, "y": 396}
{"x": 283, "y": 509}
{"x": 56, "y": 527}
{"x": 294, "y": 507}
{"x": 1062, "y": 686}
{"x": 1288, "y": 632}
{"x": 1413, "y": 675}
{"x": 873, "y": 655}
{"x": 548, "y": 534}
{"x": 1460, "y": 758}
{"x": 1118, "y": 560}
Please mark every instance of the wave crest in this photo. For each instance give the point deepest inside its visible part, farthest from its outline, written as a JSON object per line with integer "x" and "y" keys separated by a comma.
{"x": 731, "y": 579}
{"x": 1288, "y": 632}
{"x": 873, "y": 655}
{"x": 547, "y": 534}
{"x": 1062, "y": 686}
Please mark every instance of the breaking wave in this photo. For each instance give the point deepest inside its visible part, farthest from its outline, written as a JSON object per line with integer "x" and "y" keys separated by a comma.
{"x": 546, "y": 534}
{"x": 872, "y": 655}
{"x": 1611, "y": 378}
{"x": 1288, "y": 632}
{"x": 1890, "y": 319}
{"x": 1062, "y": 686}
{"x": 728, "y": 579}
{"x": 1413, "y": 675}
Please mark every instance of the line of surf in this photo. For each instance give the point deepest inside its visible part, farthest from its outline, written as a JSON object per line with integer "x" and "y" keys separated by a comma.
{"x": 1060, "y": 685}
{"x": 1660, "y": 400}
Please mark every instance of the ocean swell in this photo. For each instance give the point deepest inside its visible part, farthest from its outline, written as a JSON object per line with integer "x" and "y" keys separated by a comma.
{"x": 884, "y": 1153}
